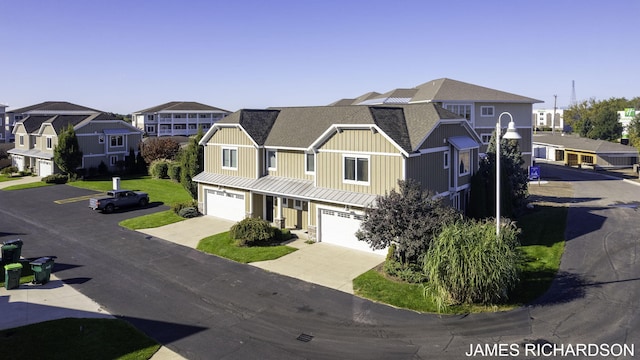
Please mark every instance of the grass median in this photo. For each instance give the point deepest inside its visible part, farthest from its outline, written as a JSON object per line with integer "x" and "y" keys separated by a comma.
{"x": 224, "y": 246}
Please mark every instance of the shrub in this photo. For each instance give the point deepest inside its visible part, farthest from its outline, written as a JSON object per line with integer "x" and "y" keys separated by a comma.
{"x": 102, "y": 168}
{"x": 174, "y": 172}
{"x": 9, "y": 170}
{"x": 282, "y": 234}
{"x": 159, "y": 169}
{"x": 253, "y": 232}
{"x": 467, "y": 264}
{"x": 411, "y": 273}
{"x": 55, "y": 179}
{"x": 177, "y": 207}
{"x": 189, "y": 212}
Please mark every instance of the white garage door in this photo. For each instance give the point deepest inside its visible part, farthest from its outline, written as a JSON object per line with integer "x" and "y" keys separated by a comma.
{"x": 46, "y": 168}
{"x": 339, "y": 228}
{"x": 226, "y": 205}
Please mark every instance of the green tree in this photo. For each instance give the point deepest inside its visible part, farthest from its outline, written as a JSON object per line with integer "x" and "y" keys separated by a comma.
{"x": 634, "y": 131}
{"x": 67, "y": 154}
{"x": 514, "y": 182}
{"x": 408, "y": 219}
{"x": 468, "y": 264}
{"x": 597, "y": 119}
{"x": 191, "y": 161}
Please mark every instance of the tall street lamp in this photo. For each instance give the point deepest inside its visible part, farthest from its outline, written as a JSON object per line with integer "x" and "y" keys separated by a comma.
{"x": 511, "y": 134}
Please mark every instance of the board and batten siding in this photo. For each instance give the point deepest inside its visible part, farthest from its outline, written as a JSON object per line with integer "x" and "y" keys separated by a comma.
{"x": 290, "y": 164}
{"x": 385, "y": 161}
{"x": 231, "y": 138}
{"x": 361, "y": 140}
{"x": 428, "y": 169}
{"x": 440, "y": 134}
{"x": 91, "y": 145}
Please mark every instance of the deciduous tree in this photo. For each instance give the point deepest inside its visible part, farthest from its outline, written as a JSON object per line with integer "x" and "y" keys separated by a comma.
{"x": 159, "y": 148}
{"x": 408, "y": 218}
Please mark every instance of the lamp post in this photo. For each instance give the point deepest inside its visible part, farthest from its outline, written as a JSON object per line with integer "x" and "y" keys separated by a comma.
{"x": 511, "y": 134}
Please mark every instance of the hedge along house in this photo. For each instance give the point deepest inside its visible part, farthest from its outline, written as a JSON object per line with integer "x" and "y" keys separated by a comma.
{"x": 102, "y": 138}
{"x": 317, "y": 168}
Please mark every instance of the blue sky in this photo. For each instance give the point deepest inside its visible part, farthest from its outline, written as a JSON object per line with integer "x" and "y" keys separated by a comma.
{"x": 124, "y": 56}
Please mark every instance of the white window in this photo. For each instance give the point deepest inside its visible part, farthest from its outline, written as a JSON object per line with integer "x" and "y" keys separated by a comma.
{"x": 487, "y": 111}
{"x": 21, "y": 139}
{"x": 285, "y": 202}
{"x": 117, "y": 140}
{"x": 486, "y": 138}
{"x": 100, "y": 139}
{"x": 49, "y": 142}
{"x": 150, "y": 117}
{"x": 465, "y": 162}
{"x": 151, "y": 129}
{"x": 271, "y": 159}
{"x": 230, "y": 158}
{"x": 445, "y": 159}
{"x": 356, "y": 169}
{"x": 310, "y": 163}
{"x": 463, "y": 110}
{"x": 297, "y": 204}
{"x": 113, "y": 159}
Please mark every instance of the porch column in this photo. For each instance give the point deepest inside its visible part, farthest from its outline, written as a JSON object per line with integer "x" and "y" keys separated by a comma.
{"x": 279, "y": 220}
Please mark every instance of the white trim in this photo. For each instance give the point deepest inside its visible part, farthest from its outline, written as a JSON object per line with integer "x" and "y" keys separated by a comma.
{"x": 356, "y": 182}
{"x": 306, "y": 163}
{"x": 275, "y": 159}
{"x": 338, "y": 128}
{"x": 359, "y": 152}
{"x": 48, "y": 144}
{"x": 460, "y": 152}
{"x": 493, "y": 111}
{"x": 285, "y": 201}
{"x": 234, "y": 145}
{"x": 446, "y": 159}
{"x": 483, "y": 135}
{"x": 298, "y": 207}
{"x": 288, "y": 148}
{"x": 230, "y": 157}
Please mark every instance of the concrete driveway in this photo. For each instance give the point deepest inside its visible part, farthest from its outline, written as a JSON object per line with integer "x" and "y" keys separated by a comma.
{"x": 323, "y": 264}
{"x": 319, "y": 263}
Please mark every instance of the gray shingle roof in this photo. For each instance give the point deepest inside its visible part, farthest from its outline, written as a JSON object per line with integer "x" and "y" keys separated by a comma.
{"x": 440, "y": 90}
{"x": 54, "y": 107}
{"x": 181, "y": 106}
{"x": 299, "y": 127}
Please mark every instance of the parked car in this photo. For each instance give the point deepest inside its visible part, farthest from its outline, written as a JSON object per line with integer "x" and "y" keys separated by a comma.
{"x": 119, "y": 199}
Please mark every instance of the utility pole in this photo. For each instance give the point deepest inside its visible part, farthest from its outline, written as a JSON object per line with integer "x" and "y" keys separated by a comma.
{"x": 553, "y": 117}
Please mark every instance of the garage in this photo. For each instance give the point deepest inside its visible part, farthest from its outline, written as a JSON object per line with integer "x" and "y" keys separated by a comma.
{"x": 45, "y": 168}
{"x": 340, "y": 227}
{"x": 225, "y": 205}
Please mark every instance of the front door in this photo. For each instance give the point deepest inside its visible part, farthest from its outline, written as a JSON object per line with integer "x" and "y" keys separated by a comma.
{"x": 269, "y": 209}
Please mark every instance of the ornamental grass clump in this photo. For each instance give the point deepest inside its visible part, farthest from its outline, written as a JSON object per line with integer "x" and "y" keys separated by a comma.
{"x": 468, "y": 264}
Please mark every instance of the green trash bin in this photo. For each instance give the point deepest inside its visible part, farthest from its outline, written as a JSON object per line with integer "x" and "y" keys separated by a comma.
{"x": 12, "y": 273}
{"x": 18, "y": 250}
{"x": 41, "y": 270}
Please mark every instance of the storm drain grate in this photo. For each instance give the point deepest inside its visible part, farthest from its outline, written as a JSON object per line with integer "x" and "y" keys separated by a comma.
{"x": 304, "y": 337}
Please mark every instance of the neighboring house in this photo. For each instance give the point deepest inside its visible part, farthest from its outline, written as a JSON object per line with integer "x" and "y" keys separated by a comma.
{"x": 577, "y": 151}
{"x": 101, "y": 137}
{"x": 543, "y": 118}
{"x": 625, "y": 117}
{"x": 4, "y": 136}
{"x": 317, "y": 168}
{"x": 46, "y": 108}
{"x": 177, "y": 118}
{"x": 481, "y": 106}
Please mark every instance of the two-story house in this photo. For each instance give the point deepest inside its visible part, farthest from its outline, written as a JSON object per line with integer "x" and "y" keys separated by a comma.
{"x": 102, "y": 138}
{"x": 317, "y": 168}
{"x": 481, "y": 106}
{"x": 177, "y": 118}
{"x": 4, "y": 136}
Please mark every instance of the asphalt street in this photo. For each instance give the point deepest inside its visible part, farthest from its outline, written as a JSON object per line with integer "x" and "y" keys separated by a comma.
{"x": 205, "y": 307}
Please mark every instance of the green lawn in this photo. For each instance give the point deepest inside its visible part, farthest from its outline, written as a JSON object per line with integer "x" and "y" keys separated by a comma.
{"x": 77, "y": 339}
{"x": 31, "y": 185}
{"x": 542, "y": 248}
{"x": 223, "y": 245}
{"x": 162, "y": 191}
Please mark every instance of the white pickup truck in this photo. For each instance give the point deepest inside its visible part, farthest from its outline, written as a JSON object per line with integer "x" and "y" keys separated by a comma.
{"x": 119, "y": 199}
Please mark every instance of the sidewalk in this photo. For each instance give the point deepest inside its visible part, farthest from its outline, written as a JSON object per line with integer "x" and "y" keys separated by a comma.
{"x": 20, "y": 181}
